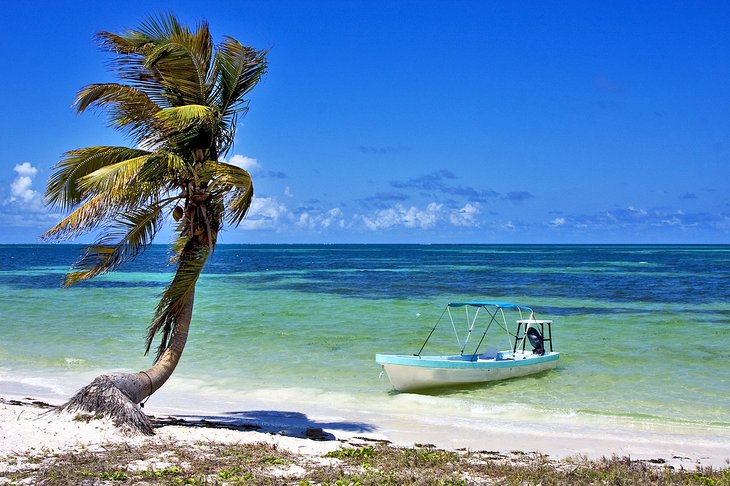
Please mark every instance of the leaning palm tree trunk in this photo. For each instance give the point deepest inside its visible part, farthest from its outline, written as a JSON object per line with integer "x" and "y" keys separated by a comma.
{"x": 118, "y": 395}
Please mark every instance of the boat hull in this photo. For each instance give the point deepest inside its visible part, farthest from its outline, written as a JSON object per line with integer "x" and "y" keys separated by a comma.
{"x": 408, "y": 373}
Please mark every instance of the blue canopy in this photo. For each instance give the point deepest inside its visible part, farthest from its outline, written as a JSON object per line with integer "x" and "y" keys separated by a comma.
{"x": 499, "y": 305}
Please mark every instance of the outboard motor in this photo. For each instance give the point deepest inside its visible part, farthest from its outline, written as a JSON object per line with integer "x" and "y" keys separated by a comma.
{"x": 536, "y": 341}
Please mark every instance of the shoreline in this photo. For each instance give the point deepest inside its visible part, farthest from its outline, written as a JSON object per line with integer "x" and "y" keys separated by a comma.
{"x": 404, "y": 419}
{"x": 399, "y": 424}
{"x": 39, "y": 446}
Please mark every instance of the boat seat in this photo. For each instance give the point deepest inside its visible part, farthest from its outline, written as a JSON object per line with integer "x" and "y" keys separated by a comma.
{"x": 489, "y": 354}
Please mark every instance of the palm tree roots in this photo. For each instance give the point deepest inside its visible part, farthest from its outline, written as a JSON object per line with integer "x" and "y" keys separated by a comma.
{"x": 103, "y": 397}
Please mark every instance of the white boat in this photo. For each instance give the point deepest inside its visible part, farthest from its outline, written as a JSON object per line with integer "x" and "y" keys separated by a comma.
{"x": 527, "y": 354}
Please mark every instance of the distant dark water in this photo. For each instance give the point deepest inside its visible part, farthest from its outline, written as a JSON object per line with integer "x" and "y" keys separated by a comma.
{"x": 657, "y": 274}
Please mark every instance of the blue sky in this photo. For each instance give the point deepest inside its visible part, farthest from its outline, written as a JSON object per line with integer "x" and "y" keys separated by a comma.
{"x": 421, "y": 122}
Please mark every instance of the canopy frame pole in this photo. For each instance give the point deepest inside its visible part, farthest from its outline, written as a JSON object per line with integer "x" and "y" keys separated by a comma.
{"x": 453, "y": 326}
{"x": 506, "y": 326}
{"x": 493, "y": 319}
{"x": 471, "y": 326}
{"x": 432, "y": 330}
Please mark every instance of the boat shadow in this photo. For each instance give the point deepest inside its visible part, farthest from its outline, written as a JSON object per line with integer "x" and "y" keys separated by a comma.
{"x": 277, "y": 422}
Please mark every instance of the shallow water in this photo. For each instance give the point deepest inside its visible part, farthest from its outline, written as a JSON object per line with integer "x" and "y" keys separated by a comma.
{"x": 643, "y": 331}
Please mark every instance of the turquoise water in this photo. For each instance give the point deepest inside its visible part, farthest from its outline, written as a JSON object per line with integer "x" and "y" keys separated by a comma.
{"x": 643, "y": 331}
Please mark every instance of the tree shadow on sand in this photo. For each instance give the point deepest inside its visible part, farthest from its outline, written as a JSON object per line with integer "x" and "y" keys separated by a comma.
{"x": 290, "y": 424}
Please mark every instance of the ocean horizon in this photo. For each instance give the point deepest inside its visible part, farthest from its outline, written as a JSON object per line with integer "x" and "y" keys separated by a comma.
{"x": 642, "y": 329}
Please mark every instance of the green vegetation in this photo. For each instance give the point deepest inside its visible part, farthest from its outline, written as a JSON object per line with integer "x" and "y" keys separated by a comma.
{"x": 215, "y": 463}
{"x": 114, "y": 475}
{"x": 359, "y": 452}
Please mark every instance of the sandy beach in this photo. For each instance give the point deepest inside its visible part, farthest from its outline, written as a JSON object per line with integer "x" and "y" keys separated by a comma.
{"x": 30, "y": 427}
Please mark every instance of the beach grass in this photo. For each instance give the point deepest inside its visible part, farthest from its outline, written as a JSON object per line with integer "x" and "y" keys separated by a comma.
{"x": 170, "y": 462}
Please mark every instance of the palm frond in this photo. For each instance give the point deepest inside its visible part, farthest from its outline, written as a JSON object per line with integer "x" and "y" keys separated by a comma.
{"x": 227, "y": 175}
{"x": 131, "y": 233}
{"x": 114, "y": 189}
{"x": 176, "y": 249}
{"x": 134, "y": 180}
{"x": 201, "y": 43}
{"x": 182, "y": 58}
{"x": 132, "y": 70}
{"x": 132, "y": 49}
{"x": 237, "y": 185}
{"x": 190, "y": 264}
{"x": 152, "y": 30}
{"x": 119, "y": 44}
{"x": 86, "y": 217}
{"x": 182, "y": 117}
{"x": 226, "y": 134}
{"x": 179, "y": 74}
{"x": 114, "y": 177}
{"x": 239, "y": 202}
{"x": 239, "y": 69}
{"x": 63, "y": 190}
{"x": 157, "y": 29}
{"x": 165, "y": 169}
{"x": 127, "y": 107}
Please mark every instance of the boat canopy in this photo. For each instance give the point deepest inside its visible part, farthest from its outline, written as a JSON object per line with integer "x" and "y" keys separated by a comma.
{"x": 495, "y": 312}
{"x": 499, "y": 305}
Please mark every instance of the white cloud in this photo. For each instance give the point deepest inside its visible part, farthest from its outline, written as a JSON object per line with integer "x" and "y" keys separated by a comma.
{"x": 247, "y": 163}
{"x": 466, "y": 215}
{"x": 265, "y": 213}
{"x": 25, "y": 169}
{"x": 24, "y": 206}
{"x": 21, "y": 189}
{"x": 287, "y": 192}
{"x": 635, "y": 219}
{"x": 305, "y": 220}
{"x": 673, "y": 221}
{"x": 399, "y": 215}
{"x": 637, "y": 212}
{"x": 333, "y": 217}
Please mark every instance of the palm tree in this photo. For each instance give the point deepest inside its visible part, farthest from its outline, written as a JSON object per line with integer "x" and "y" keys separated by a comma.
{"x": 178, "y": 100}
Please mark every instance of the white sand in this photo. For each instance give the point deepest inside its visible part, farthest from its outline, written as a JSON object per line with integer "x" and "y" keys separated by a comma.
{"x": 28, "y": 429}
{"x": 408, "y": 419}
